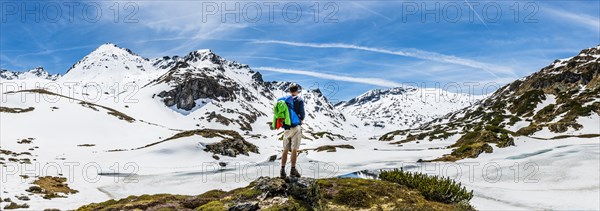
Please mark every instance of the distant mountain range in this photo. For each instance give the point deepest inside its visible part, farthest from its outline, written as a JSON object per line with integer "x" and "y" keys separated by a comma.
{"x": 37, "y": 73}
{"x": 404, "y": 107}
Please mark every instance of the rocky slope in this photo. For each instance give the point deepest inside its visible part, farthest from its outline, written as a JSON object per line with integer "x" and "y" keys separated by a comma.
{"x": 37, "y": 73}
{"x": 561, "y": 100}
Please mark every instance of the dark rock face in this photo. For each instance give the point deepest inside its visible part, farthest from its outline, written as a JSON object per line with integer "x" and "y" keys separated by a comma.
{"x": 185, "y": 93}
{"x": 232, "y": 147}
{"x": 257, "y": 77}
{"x": 191, "y": 82}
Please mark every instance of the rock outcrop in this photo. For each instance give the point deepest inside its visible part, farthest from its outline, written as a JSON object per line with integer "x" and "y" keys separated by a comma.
{"x": 232, "y": 147}
{"x": 267, "y": 193}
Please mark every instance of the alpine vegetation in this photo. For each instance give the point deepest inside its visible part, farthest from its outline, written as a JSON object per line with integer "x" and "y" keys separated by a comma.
{"x": 433, "y": 188}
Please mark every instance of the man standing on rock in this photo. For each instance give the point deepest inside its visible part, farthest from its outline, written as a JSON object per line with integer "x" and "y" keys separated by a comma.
{"x": 293, "y": 132}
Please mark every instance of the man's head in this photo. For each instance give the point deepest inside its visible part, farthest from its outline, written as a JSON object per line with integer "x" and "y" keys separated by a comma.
{"x": 294, "y": 88}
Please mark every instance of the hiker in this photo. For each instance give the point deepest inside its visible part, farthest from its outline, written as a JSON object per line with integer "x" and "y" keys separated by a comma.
{"x": 289, "y": 114}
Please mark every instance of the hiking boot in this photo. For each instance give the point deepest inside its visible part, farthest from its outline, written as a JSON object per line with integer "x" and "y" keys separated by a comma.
{"x": 294, "y": 172}
{"x": 282, "y": 174}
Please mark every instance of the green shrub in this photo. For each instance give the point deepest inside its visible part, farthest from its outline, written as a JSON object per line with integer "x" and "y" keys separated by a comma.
{"x": 212, "y": 206}
{"x": 505, "y": 141}
{"x": 514, "y": 120}
{"x": 529, "y": 130}
{"x": 497, "y": 120}
{"x": 546, "y": 114}
{"x": 433, "y": 188}
{"x": 526, "y": 103}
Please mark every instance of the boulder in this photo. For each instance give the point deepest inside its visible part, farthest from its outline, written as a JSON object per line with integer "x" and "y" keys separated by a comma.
{"x": 232, "y": 147}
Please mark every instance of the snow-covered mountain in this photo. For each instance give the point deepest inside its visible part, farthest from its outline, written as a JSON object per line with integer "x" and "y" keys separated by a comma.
{"x": 198, "y": 90}
{"x": 109, "y": 65}
{"x": 37, "y": 73}
{"x": 217, "y": 111}
{"x": 404, "y": 107}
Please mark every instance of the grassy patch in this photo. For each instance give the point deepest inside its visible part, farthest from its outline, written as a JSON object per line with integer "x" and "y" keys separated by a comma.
{"x": 352, "y": 194}
{"x": 50, "y": 187}
{"x": 111, "y": 111}
{"x": 213, "y": 206}
{"x": 142, "y": 202}
{"x": 434, "y": 188}
{"x": 206, "y": 133}
{"x": 86, "y": 145}
{"x": 14, "y": 205}
{"x": 329, "y": 135}
{"x": 332, "y": 148}
{"x": 390, "y": 135}
{"x": 26, "y": 141}
{"x": 15, "y": 110}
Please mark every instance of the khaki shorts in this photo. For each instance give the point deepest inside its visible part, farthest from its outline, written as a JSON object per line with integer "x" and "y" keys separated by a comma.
{"x": 291, "y": 138}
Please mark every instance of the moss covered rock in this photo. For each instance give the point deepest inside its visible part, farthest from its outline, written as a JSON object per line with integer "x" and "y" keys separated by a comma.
{"x": 291, "y": 194}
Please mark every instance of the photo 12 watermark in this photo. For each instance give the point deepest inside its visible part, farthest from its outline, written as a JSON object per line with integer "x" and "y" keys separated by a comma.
{"x": 68, "y": 11}
{"x": 270, "y": 11}
{"x": 468, "y": 11}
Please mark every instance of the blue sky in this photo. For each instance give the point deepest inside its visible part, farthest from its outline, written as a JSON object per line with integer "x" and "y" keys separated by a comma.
{"x": 351, "y": 47}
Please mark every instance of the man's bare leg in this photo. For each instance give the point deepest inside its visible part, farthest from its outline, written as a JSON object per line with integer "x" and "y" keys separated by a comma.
{"x": 294, "y": 157}
{"x": 283, "y": 161}
{"x": 294, "y": 172}
{"x": 284, "y": 158}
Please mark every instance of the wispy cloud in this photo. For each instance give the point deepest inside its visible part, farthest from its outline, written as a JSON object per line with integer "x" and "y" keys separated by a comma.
{"x": 371, "y": 81}
{"x": 370, "y": 10}
{"x": 477, "y": 14}
{"x": 414, "y": 53}
{"x": 591, "y": 22}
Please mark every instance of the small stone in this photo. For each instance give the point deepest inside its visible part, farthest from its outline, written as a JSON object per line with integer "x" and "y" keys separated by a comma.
{"x": 246, "y": 206}
{"x": 216, "y": 157}
{"x": 34, "y": 189}
{"x": 272, "y": 158}
{"x": 230, "y": 152}
{"x": 23, "y": 198}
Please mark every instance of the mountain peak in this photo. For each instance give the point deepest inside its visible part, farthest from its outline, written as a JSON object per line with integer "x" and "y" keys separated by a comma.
{"x": 111, "y": 48}
{"x": 204, "y": 51}
{"x": 206, "y": 57}
{"x": 376, "y": 94}
{"x": 122, "y": 63}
